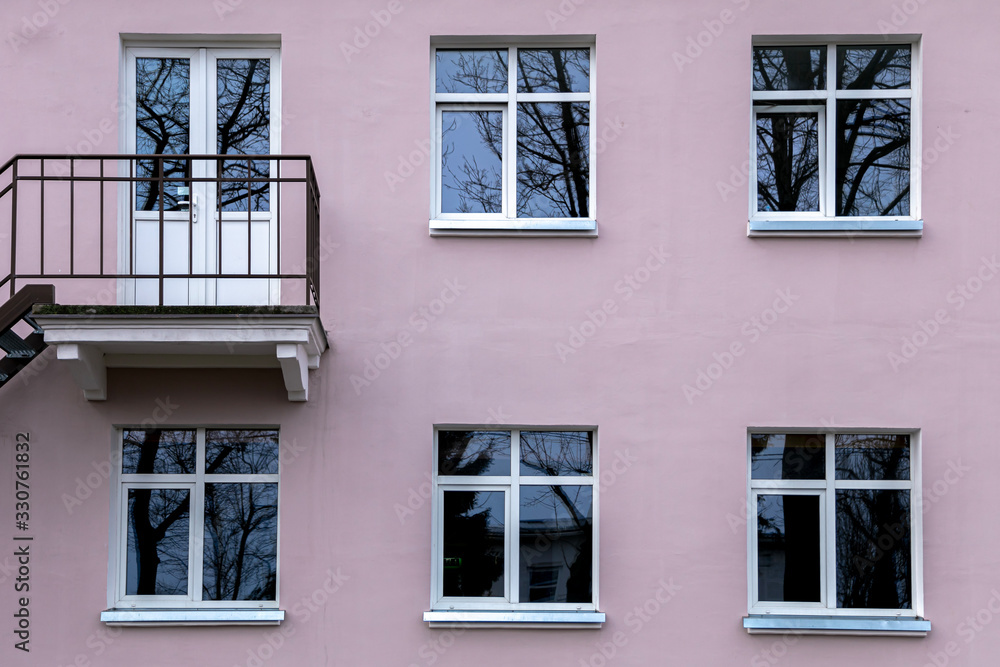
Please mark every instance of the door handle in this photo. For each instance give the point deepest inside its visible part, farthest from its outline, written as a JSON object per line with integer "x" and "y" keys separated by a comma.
{"x": 192, "y": 204}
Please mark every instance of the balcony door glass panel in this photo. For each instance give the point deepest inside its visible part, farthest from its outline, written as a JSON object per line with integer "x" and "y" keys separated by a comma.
{"x": 216, "y": 214}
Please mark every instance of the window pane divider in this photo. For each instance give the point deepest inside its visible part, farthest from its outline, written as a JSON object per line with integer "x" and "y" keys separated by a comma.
{"x": 198, "y": 520}
{"x": 553, "y": 97}
{"x": 874, "y": 484}
{"x": 790, "y": 95}
{"x": 788, "y": 484}
{"x": 539, "y": 480}
{"x": 512, "y": 562}
{"x": 828, "y": 541}
{"x": 237, "y": 478}
{"x": 874, "y": 93}
{"x": 463, "y": 99}
{"x": 510, "y": 161}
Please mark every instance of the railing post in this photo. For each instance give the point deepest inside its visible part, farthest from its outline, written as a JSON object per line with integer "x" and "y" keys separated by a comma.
{"x": 13, "y": 227}
{"x": 162, "y": 202}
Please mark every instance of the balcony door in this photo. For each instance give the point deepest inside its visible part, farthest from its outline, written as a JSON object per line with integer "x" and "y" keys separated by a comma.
{"x": 216, "y": 214}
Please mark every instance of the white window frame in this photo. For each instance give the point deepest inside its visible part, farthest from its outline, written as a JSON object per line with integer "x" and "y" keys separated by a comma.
{"x": 824, "y": 222}
{"x": 507, "y": 223}
{"x": 826, "y": 490}
{"x": 534, "y": 612}
{"x": 123, "y": 608}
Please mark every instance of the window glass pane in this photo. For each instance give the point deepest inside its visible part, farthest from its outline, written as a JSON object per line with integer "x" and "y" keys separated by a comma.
{"x": 471, "y": 161}
{"x": 241, "y": 452}
{"x": 471, "y": 71}
{"x": 788, "y": 552}
{"x": 553, "y": 160}
{"x": 557, "y": 453}
{"x": 873, "y": 157}
{"x": 553, "y": 70}
{"x": 158, "y": 539}
{"x": 474, "y": 452}
{"x": 873, "y": 67}
{"x": 162, "y": 126}
{"x": 244, "y": 128}
{"x": 241, "y": 542}
{"x": 473, "y": 533}
{"x": 158, "y": 451}
{"x": 787, "y": 456}
{"x": 557, "y": 543}
{"x": 789, "y": 68}
{"x": 885, "y": 456}
{"x": 873, "y": 549}
{"x": 787, "y": 162}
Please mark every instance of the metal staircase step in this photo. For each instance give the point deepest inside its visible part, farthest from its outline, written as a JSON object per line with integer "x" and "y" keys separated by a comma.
{"x": 15, "y": 347}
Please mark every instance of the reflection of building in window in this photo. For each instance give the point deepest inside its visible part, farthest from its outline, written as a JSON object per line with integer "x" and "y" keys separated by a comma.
{"x": 832, "y": 524}
{"x": 515, "y": 519}
{"x": 542, "y": 583}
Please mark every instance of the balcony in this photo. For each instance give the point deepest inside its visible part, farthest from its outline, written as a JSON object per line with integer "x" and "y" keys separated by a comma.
{"x": 168, "y": 261}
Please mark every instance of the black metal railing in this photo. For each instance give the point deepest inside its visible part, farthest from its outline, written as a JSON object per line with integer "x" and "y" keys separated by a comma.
{"x": 72, "y": 217}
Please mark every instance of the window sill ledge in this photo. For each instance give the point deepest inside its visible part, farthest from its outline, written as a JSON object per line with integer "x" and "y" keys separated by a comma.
{"x": 836, "y": 228}
{"x": 169, "y": 617}
{"x": 533, "y": 228}
{"x": 515, "y": 619}
{"x": 836, "y": 625}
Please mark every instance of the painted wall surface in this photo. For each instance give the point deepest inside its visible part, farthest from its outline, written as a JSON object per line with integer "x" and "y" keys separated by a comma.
{"x": 680, "y": 132}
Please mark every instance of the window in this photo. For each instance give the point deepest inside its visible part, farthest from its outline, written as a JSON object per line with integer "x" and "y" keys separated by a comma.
{"x": 835, "y": 137}
{"x": 835, "y": 528}
{"x": 197, "y": 523}
{"x": 514, "y": 527}
{"x": 512, "y": 140}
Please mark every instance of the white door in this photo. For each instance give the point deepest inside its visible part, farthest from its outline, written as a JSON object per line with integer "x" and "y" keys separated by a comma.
{"x": 216, "y": 220}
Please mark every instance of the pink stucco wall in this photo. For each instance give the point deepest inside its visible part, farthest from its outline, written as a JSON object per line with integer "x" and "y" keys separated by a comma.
{"x": 493, "y": 353}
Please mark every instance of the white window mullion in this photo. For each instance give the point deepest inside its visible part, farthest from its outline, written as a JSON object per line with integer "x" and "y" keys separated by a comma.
{"x": 197, "y": 523}
{"x": 514, "y": 551}
{"x": 828, "y": 561}
{"x": 829, "y": 166}
{"x": 510, "y": 142}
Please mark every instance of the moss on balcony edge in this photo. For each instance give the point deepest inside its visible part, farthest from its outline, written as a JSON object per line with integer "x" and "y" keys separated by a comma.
{"x": 58, "y": 309}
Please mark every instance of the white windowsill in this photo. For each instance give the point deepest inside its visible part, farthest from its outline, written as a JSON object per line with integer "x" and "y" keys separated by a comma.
{"x": 515, "y": 619}
{"x": 840, "y": 228}
{"x": 774, "y": 624}
{"x": 533, "y": 228}
{"x": 169, "y": 617}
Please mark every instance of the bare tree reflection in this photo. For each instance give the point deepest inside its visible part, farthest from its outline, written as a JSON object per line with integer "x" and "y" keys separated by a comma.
{"x": 163, "y": 127}
{"x": 871, "y": 139}
{"x": 553, "y": 160}
{"x": 240, "y": 518}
